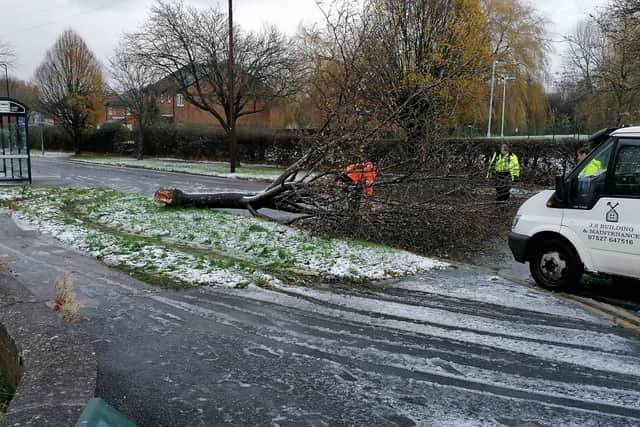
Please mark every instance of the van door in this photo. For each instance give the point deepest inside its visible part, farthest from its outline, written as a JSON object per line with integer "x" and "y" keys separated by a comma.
{"x": 605, "y": 207}
{"x": 622, "y": 218}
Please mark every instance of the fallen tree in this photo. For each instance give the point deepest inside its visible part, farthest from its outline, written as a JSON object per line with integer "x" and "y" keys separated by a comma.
{"x": 425, "y": 197}
{"x": 289, "y": 192}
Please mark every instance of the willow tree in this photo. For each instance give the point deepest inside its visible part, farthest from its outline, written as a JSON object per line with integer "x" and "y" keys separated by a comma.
{"x": 518, "y": 39}
{"x": 71, "y": 85}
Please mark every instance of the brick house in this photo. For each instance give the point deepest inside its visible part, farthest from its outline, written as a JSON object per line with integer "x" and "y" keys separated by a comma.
{"x": 173, "y": 107}
{"x": 115, "y": 110}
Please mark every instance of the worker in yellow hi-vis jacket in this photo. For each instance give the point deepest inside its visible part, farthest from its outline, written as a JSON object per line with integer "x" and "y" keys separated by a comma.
{"x": 507, "y": 170}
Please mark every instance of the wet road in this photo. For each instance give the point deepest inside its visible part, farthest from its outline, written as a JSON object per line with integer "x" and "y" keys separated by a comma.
{"x": 60, "y": 171}
{"x": 453, "y": 347}
{"x": 623, "y": 293}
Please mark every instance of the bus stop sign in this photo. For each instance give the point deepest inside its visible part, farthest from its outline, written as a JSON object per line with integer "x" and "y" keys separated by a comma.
{"x": 15, "y": 160}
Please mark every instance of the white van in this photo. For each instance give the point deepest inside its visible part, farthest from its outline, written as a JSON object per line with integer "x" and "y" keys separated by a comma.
{"x": 590, "y": 222}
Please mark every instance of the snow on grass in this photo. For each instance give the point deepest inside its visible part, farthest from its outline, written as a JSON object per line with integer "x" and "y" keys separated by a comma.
{"x": 262, "y": 242}
{"x": 197, "y": 246}
{"x": 264, "y": 173}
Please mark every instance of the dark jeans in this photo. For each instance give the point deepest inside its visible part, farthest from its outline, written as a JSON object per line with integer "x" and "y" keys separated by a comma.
{"x": 503, "y": 186}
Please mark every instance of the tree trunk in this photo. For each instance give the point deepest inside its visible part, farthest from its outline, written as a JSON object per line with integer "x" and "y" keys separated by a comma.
{"x": 140, "y": 144}
{"x": 252, "y": 202}
{"x": 414, "y": 119}
{"x": 271, "y": 197}
{"x": 175, "y": 197}
{"x": 76, "y": 140}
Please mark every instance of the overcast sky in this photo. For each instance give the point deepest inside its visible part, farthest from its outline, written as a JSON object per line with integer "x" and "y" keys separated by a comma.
{"x": 31, "y": 26}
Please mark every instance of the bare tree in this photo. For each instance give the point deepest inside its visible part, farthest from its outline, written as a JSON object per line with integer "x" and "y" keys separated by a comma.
{"x": 71, "y": 84}
{"x": 603, "y": 62}
{"x": 585, "y": 52}
{"x": 7, "y": 54}
{"x": 618, "y": 73}
{"x": 625, "y": 8}
{"x": 135, "y": 86}
{"x": 584, "y": 58}
{"x": 23, "y": 91}
{"x": 190, "y": 47}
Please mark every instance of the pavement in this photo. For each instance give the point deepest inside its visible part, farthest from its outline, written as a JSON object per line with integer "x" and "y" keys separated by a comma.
{"x": 53, "y": 364}
{"x": 460, "y": 346}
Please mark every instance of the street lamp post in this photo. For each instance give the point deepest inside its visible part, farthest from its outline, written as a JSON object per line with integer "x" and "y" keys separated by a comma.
{"x": 493, "y": 82}
{"x": 504, "y": 98}
{"x": 231, "y": 98}
{"x": 6, "y": 78}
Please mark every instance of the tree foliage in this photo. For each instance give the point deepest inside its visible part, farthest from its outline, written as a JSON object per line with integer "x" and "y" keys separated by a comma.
{"x": 427, "y": 59}
{"x": 517, "y": 35}
{"x": 433, "y": 58}
{"x": 518, "y": 39}
{"x": 71, "y": 84}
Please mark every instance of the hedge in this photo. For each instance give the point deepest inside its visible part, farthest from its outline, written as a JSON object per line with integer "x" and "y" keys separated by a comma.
{"x": 540, "y": 159}
{"x": 200, "y": 142}
{"x": 101, "y": 140}
{"x": 186, "y": 142}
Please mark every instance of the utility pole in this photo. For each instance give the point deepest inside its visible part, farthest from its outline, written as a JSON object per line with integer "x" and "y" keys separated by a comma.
{"x": 231, "y": 97}
{"x": 6, "y": 78}
{"x": 504, "y": 99}
{"x": 493, "y": 82}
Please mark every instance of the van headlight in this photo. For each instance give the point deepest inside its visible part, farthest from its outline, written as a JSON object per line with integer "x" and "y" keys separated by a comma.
{"x": 516, "y": 219}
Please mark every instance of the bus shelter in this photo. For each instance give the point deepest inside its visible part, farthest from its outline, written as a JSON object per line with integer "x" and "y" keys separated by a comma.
{"x": 15, "y": 160}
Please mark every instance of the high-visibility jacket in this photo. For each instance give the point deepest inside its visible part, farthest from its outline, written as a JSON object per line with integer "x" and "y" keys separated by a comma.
{"x": 505, "y": 163}
{"x": 592, "y": 168}
{"x": 363, "y": 174}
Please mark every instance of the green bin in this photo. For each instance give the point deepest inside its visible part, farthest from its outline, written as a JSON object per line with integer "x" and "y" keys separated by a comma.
{"x": 99, "y": 413}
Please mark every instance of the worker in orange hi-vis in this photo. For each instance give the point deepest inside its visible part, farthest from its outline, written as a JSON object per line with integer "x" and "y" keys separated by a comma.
{"x": 362, "y": 174}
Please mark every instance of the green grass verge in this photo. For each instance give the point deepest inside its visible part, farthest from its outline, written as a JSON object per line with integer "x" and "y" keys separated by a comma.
{"x": 186, "y": 247}
{"x": 198, "y": 168}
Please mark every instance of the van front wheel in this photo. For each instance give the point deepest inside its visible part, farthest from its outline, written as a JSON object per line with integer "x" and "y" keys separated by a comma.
{"x": 555, "y": 265}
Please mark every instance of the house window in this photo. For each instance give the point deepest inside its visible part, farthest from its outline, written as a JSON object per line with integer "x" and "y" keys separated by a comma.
{"x": 162, "y": 98}
{"x": 180, "y": 100}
